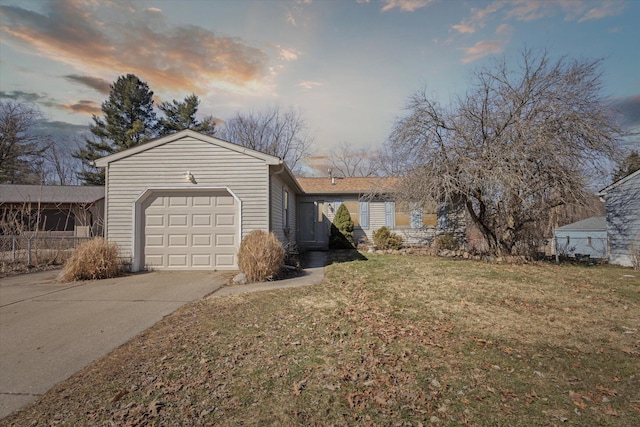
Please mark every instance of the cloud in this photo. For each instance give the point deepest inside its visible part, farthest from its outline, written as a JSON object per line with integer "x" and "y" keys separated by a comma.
{"x": 96, "y": 83}
{"x": 607, "y": 8}
{"x": 504, "y": 30}
{"x": 478, "y": 18}
{"x": 481, "y": 49}
{"x": 307, "y": 84}
{"x": 85, "y": 107}
{"x": 111, "y": 38}
{"x": 405, "y": 5}
{"x": 629, "y": 107}
{"x": 18, "y": 95}
{"x": 287, "y": 54}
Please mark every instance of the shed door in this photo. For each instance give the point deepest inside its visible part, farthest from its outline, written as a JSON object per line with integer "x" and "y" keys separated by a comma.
{"x": 190, "y": 230}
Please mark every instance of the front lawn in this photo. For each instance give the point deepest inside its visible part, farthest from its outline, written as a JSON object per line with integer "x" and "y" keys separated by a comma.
{"x": 391, "y": 340}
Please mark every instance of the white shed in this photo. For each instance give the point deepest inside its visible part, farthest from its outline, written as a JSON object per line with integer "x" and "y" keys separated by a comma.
{"x": 586, "y": 237}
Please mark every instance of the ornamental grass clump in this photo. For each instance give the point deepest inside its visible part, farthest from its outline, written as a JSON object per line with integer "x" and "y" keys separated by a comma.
{"x": 92, "y": 260}
{"x": 261, "y": 256}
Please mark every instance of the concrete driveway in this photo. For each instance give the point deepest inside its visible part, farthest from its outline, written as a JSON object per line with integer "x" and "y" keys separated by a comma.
{"x": 48, "y": 330}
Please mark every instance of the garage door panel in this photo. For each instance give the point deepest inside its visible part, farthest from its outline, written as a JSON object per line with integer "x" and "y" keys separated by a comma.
{"x": 201, "y": 220}
{"x": 201, "y": 240}
{"x": 153, "y": 260}
{"x": 178, "y": 240}
{"x": 178, "y": 220}
{"x": 201, "y": 260}
{"x": 225, "y": 219}
{"x": 225, "y": 260}
{"x": 190, "y": 230}
{"x": 177, "y": 260}
{"x": 225, "y": 240}
{"x": 178, "y": 201}
{"x": 154, "y": 240}
{"x": 155, "y": 220}
{"x": 206, "y": 201}
{"x": 225, "y": 201}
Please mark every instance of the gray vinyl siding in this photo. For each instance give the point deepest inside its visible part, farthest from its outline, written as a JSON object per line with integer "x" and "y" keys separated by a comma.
{"x": 276, "y": 215}
{"x": 164, "y": 166}
{"x": 623, "y": 220}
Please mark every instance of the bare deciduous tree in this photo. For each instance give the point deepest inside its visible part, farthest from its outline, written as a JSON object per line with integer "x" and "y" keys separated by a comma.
{"x": 348, "y": 162}
{"x": 21, "y": 150}
{"x": 280, "y": 134}
{"x": 519, "y": 143}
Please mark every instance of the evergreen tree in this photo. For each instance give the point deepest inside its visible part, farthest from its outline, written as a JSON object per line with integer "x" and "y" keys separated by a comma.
{"x": 182, "y": 115}
{"x": 341, "y": 236}
{"x": 628, "y": 166}
{"x": 129, "y": 120}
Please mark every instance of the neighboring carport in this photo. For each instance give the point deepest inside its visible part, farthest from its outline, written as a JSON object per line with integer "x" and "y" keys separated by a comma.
{"x": 48, "y": 330}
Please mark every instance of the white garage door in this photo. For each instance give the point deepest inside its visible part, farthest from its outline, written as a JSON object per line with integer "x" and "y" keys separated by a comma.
{"x": 190, "y": 230}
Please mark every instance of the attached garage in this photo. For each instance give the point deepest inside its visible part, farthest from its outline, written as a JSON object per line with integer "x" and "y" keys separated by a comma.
{"x": 188, "y": 229}
{"x": 184, "y": 201}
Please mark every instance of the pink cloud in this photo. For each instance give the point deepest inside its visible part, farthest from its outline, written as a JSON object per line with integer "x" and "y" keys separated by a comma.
{"x": 481, "y": 49}
{"x": 120, "y": 41}
{"x": 405, "y": 5}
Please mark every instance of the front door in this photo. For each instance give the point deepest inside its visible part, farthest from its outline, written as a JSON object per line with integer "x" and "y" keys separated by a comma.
{"x": 313, "y": 229}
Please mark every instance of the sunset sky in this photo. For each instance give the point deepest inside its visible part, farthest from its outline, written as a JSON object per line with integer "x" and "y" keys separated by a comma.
{"x": 347, "y": 65}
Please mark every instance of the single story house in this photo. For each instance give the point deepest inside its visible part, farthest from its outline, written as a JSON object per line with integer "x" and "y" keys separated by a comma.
{"x": 622, "y": 204}
{"x": 586, "y": 237}
{"x": 185, "y": 201}
{"x": 371, "y": 203}
{"x": 63, "y": 211}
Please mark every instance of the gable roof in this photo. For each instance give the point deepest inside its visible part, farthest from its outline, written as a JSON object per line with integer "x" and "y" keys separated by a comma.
{"x": 269, "y": 160}
{"x": 595, "y": 223}
{"x": 605, "y": 190}
{"x": 352, "y": 185}
{"x": 10, "y": 193}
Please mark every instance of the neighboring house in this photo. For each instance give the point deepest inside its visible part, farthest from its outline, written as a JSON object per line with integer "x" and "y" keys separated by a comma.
{"x": 622, "y": 203}
{"x": 72, "y": 211}
{"x": 185, "y": 201}
{"x": 370, "y": 202}
{"x": 586, "y": 237}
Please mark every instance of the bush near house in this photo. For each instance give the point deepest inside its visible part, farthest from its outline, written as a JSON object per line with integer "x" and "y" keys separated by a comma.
{"x": 386, "y": 239}
{"x": 341, "y": 236}
{"x": 261, "y": 256}
{"x": 446, "y": 241}
{"x": 92, "y": 260}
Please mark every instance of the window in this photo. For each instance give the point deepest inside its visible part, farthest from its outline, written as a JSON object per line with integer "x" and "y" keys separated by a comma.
{"x": 285, "y": 210}
{"x": 364, "y": 215}
{"x": 568, "y": 240}
{"x": 589, "y": 241}
{"x": 422, "y": 216}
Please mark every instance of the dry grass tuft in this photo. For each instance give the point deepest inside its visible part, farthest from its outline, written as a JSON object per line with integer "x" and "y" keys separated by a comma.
{"x": 95, "y": 259}
{"x": 261, "y": 256}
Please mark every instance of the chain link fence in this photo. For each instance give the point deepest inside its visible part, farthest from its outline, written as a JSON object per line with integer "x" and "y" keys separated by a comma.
{"x": 18, "y": 253}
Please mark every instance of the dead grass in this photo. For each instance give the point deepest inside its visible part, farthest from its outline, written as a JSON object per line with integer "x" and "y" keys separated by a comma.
{"x": 393, "y": 340}
{"x": 261, "y": 256}
{"x": 92, "y": 260}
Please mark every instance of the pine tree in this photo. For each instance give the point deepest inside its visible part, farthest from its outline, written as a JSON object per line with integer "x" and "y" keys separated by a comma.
{"x": 182, "y": 115}
{"x": 628, "y": 166}
{"x": 342, "y": 229}
{"x": 129, "y": 120}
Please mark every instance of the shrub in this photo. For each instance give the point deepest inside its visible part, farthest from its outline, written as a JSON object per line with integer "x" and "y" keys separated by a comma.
{"x": 385, "y": 239}
{"x": 261, "y": 256}
{"x": 341, "y": 236}
{"x": 446, "y": 241}
{"x": 94, "y": 259}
